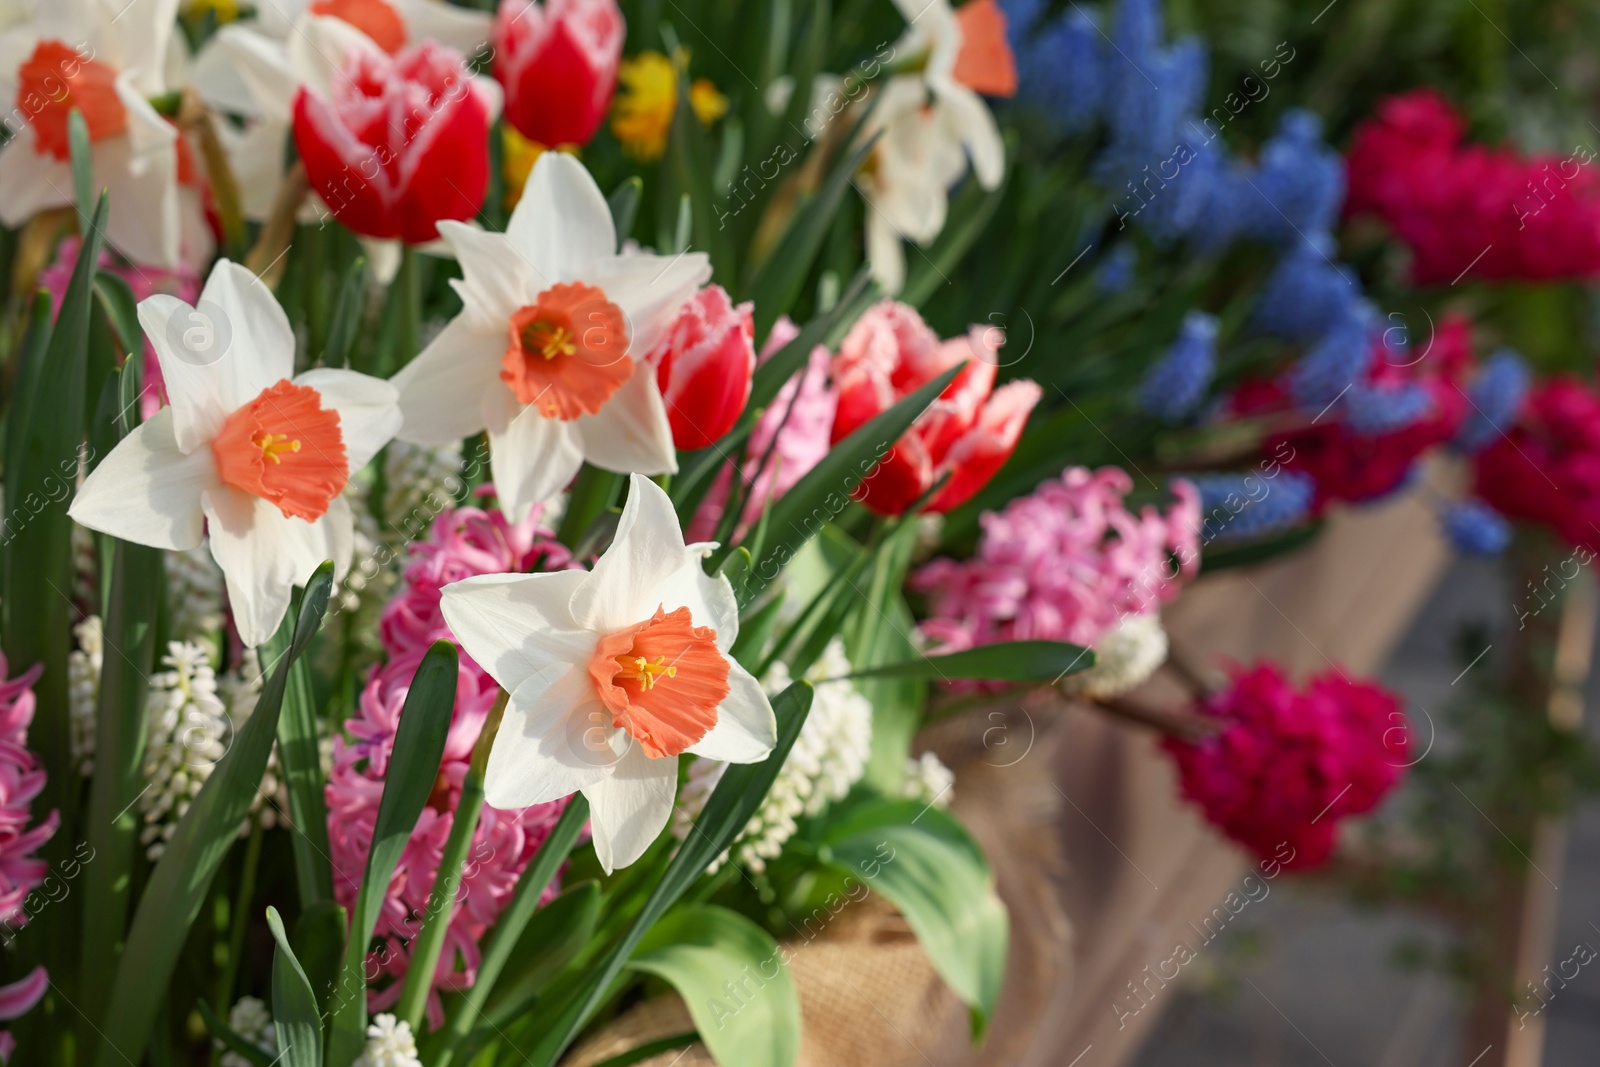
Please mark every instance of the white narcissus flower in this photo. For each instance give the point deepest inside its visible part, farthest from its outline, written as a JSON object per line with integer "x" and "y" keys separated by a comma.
{"x": 613, "y": 673}
{"x": 84, "y": 54}
{"x": 253, "y": 68}
{"x": 256, "y": 459}
{"x": 548, "y": 351}
{"x": 932, "y": 120}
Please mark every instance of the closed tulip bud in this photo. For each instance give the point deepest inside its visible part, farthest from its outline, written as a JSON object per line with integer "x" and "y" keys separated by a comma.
{"x": 400, "y": 143}
{"x": 704, "y": 365}
{"x": 558, "y": 63}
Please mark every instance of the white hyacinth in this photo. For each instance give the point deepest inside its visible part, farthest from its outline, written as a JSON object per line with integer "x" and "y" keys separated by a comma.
{"x": 929, "y": 780}
{"x": 83, "y": 691}
{"x": 389, "y": 1044}
{"x": 194, "y": 591}
{"x": 1128, "y": 654}
{"x": 193, "y": 718}
{"x": 419, "y": 482}
{"x": 828, "y": 757}
{"x": 250, "y": 1019}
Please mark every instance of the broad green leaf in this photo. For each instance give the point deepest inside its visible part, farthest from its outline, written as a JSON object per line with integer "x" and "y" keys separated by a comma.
{"x": 181, "y": 880}
{"x": 926, "y": 864}
{"x": 413, "y": 768}
{"x": 824, "y": 492}
{"x": 1004, "y": 661}
{"x": 319, "y": 945}
{"x": 753, "y": 1023}
{"x": 302, "y": 778}
{"x": 295, "y": 1020}
{"x": 542, "y": 940}
{"x": 738, "y": 794}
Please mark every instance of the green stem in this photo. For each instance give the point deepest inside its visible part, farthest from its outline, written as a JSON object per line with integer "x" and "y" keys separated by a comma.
{"x": 442, "y": 901}
{"x": 513, "y": 920}
{"x": 241, "y": 916}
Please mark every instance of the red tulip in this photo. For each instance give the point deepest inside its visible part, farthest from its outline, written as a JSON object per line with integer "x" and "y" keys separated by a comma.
{"x": 703, "y": 365}
{"x": 402, "y": 143}
{"x": 967, "y": 433}
{"x": 558, "y": 63}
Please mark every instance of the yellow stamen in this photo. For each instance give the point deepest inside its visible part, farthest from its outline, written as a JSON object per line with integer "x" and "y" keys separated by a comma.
{"x": 648, "y": 673}
{"x": 549, "y": 341}
{"x": 273, "y": 443}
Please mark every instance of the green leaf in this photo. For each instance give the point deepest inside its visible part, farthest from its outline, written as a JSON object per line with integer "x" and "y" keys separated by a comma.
{"x": 230, "y": 1039}
{"x": 624, "y": 202}
{"x": 592, "y": 494}
{"x": 778, "y": 281}
{"x": 732, "y": 978}
{"x": 347, "y": 315}
{"x": 82, "y": 157}
{"x": 1003, "y": 661}
{"x": 969, "y": 215}
{"x": 295, "y": 1018}
{"x": 542, "y": 940}
{"x": 687, "y": 170}
{"x": 819, "y": 497}
{"x": 413, "y": 768}
{"x": 738, "y": 794}
{"x": 319, "y": 945}
{"x": 121, "y": 309}
{"x": 926, "y": 864}
{"x": 302, "y": 778}
{"x": 181, "y": 880}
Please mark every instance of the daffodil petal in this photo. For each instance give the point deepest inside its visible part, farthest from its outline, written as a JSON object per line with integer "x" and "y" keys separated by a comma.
{"x": 555, "y": 740}
{"x": 562, "y": 224}
{"x": 443, "y": 390}
{"x": 533, "y": 457}
{"x": 629, "y": 807}
{"x": 631, "y": 434}
{"x": 146, "y": 490}
{"x": 625, "y": 586}
{"x": 746, "y": 729}
{"x": 516, "y": 625}
{"x": 368, "y": 407}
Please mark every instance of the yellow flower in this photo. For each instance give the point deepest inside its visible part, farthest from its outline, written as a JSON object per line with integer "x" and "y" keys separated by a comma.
{"x": 518, "y": 155}
{"x": 642, "y": 115}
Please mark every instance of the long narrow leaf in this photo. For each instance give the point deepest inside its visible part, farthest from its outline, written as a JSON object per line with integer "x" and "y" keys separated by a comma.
{"x": 302, "y": 779}
{"x": 180, "y": 882}
{"x": 1004, "y": 661}
{"x": 413, "y": 768}
{"x": 295, "y": 1020}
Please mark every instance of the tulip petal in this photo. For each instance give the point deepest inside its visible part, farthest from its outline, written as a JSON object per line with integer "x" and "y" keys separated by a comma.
{"x": 629, "y": 807}
{"x": 532, "y": 457}
{"x": 216, "y": 360}
{"x": 496, "y": 279}
{"x": 630, "y": 434}
{"x": 146, "y": 490}
{"x": 515, "y": 625}
{"x": 442, "y": 390}
{"x": 563, "y": 224}
{"x": 651, "y": 290}
{"x": 264, "y": 554}
{"x": 627, "y": 581}
{"x": 746, "y": 729}
{"x": 555, "y": 740}
{"x": 368, "y": 407}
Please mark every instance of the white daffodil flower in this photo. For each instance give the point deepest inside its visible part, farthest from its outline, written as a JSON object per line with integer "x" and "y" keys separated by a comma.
{"x": 548, "y": 351}
{"x": 84, "y": 54}
{"x": 933, "y": 119}
{"x": 256, "y": 459}
{"x": 613, "y": 673}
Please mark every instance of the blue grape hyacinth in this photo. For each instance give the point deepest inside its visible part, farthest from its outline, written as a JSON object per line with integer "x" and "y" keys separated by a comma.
{"x": 1175, "y": 384}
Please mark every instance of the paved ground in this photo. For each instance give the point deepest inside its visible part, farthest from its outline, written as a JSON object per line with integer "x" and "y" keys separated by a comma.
{"x": 1312, "y": 981}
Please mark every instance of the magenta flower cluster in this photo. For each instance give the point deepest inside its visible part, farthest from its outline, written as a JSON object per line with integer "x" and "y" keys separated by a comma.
{"x": 461, "y": 542}
{"x": 22, "y": 777}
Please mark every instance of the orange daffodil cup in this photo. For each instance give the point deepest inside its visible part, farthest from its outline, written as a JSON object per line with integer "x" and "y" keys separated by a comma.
{"x": 252, "y": 456}
{"x": 548, "y": 352}
{"x": 613, "y": 673}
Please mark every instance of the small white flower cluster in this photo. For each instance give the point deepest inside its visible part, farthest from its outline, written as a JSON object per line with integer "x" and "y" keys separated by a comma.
{"x": 194, "y": 591}
{"x": 83, "y": 691}
{"x": 389, "y": 1044}
{"x": 1128, "y": 655}
{"x": 193, "y": 718}
{"x": 416, "y": 480}
{"x": 250, "y": 1019}
{"x": 929, "y": 780}
{"x": 828, "y": 757}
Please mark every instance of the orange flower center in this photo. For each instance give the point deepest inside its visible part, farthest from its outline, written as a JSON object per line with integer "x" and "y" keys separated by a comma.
{"x": 57, "y": 78}
{"x": 568, "y": 352}
{"x": 375, "y": 18}
{"x": 284, "y": 447}
{"x": 985, "y": 63}
{"x": 662, "y": 681}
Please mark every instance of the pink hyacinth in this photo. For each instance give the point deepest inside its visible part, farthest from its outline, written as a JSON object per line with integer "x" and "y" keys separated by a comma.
{"x": 461, "y": 543}
{"x": 22, "y": 777}
{"x": 801, "y": 439}
{"x": 145, "y": 281}
{"x": 1288, "y": 764}
{"x": 1063, "y": 564}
